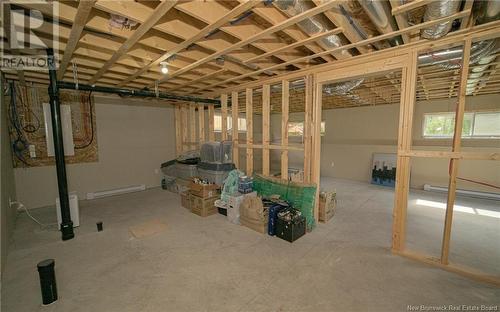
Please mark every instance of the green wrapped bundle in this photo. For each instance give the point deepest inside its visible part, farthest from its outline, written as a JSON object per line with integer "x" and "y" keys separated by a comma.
{"x": 301, "y": 196}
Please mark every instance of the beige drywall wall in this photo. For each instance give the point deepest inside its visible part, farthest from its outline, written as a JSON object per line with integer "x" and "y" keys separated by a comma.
{"x": 8, "y": 191}
{"x": 354, "y": 134}
{"x": 134, "y": 137}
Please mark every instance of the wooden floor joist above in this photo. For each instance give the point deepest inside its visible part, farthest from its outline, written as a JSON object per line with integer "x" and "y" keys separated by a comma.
{"x": 212, "y": 46}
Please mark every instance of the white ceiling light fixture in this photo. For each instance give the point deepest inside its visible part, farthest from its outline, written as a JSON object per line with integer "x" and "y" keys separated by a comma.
{"x": 164, "y": 68}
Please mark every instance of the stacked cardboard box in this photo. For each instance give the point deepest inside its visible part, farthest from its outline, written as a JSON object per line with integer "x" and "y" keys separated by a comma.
{"x": 203, "y": 207}
{"x": 202, "y": 197}
{"x": 203, "y": 190}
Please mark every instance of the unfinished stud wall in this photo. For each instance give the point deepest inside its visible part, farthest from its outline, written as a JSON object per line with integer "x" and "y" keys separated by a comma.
{"x": 134, "y": 137}
{"x": 354, "y": 134}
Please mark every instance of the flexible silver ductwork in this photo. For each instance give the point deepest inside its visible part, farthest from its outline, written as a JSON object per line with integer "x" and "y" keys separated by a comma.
{"x": 489, "y": 11}
{"x": 380, "y": 14}
{"x": 451, "y": 58}
{"x": 482, "y": 54}
{"x": 436, "y": 10}
{"x": 342, "y": 88}
{"x": 315, "y": 25}
{"x": 312, "y": 25}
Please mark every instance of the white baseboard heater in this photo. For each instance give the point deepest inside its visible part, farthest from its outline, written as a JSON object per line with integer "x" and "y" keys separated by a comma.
{"x": 120, "y": 191}
{"x": 476, "y": 194}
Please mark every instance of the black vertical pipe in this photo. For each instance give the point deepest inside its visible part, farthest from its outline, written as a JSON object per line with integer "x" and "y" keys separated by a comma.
{"x": 62, "y": 183}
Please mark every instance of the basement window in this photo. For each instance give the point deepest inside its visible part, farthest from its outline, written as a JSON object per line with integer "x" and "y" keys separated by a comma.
{"x": 296, "y": 129}
{"x": 242, "y": 123}
{"x": 475, "y": 125}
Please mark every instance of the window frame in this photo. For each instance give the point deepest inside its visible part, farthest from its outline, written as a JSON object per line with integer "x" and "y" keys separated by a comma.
{"x": 450, "y": 137}
{"x": 229, "y": 129}
{"x": 323, "y": 125}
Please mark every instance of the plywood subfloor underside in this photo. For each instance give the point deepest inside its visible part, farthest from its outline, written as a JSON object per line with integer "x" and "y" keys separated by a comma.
{"x": 208, "y": 264}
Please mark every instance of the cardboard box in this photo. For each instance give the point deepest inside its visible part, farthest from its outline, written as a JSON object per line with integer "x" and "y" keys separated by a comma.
{"x": 203, "y": 206}
{"x": 203, "y": 190}
{"x": 327, "y": 205}
{"x": 185, "y": 200}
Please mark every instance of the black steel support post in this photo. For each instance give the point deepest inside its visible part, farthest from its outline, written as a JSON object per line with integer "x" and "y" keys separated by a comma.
{"x": 62, "y": 183}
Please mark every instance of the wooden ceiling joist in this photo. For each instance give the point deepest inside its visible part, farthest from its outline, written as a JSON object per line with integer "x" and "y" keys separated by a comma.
{"x": 268, "y": 31}
{"x": 158, "y": 13}
{"x": 360, "y": 43}
{"x": 84, "y": 9}
{"x": 258, "y": 41}
{"x": 199, "y": 35}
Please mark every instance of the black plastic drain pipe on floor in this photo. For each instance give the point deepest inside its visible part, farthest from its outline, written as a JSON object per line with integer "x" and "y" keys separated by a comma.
{"x": 62, "y": 183}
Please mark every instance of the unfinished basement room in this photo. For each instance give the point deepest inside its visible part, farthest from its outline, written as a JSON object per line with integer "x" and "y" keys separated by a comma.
{"x": 244, "y": 155}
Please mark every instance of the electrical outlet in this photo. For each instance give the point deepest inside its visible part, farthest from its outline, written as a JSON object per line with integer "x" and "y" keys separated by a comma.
{"x": 332, "y": 164}
{"x": 32, "y": 151}
{"x": 157, "y": 171}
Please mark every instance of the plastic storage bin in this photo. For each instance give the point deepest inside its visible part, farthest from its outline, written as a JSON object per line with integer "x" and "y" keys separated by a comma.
{"x": 215, "y": 173}
{"x": 217, "y": 152}
{"x": 182, "y": 171}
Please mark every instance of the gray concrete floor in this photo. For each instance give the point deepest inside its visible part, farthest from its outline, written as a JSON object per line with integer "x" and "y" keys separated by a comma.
{"x": 209, "y": 264}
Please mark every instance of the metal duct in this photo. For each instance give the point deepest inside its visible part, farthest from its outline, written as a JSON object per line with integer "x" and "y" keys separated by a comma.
{"x": 482, "y": 53}
{"x": 489, "y": 11}
{"x": 342, "y": 88}
{"x": 380, "y": 14}
{"x": 312, "y": 26}
{"x": 451, "y": 58}
{"x": 436, "y": 10}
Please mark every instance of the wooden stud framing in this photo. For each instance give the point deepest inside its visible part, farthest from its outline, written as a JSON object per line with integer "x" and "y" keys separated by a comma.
{"x": 285, "y": 101}
{"x": 192, "y": 126}
{"x": 211, "y": 115}
{"x": 178, "y": 130}
{"x": 457, "y": 137}
{"x": 315, "y": 163}
{"x": 408, "y": 85}
{"x": 184, "y": 130}
{"x": 201, "y": 124}
{"x": 223, "y": 108}
{"x": 249, "y": 118}
{"x": 406, "y": 63}
{"x": 266, "y": 120}
{"x": 308, "y": 119}
{"x": 235, "y": 131}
